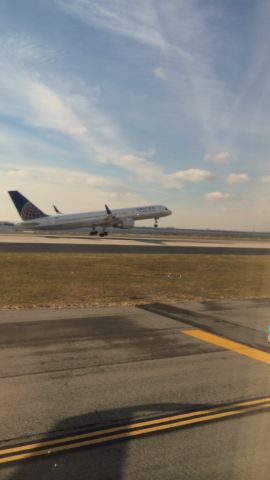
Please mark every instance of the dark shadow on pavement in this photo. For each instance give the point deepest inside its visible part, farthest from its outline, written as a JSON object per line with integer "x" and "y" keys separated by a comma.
{"x": 92, "y": 463}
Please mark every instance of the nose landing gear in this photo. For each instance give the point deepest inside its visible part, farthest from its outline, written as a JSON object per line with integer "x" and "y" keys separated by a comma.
{"x": 156, "y": 223}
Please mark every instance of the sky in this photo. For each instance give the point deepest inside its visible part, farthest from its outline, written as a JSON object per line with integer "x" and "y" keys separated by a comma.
{"x": 136, "y": 103}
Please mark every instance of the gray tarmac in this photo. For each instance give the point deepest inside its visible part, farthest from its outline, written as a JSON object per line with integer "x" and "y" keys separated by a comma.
{"x": 66, "y": 372}
{"x": 28, "y": 243}
{"x": 94, "y": 248}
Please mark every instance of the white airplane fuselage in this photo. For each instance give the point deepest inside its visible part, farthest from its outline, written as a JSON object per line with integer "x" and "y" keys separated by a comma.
{"x": 121, "y": 218}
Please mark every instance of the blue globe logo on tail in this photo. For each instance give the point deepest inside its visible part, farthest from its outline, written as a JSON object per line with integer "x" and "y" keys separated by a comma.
{"x": 26, "y": 209}
{"x": 30, "y": 212}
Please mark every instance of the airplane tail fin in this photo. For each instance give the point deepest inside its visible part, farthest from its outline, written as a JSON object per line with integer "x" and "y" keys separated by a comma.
{"x": 26, "y": 209}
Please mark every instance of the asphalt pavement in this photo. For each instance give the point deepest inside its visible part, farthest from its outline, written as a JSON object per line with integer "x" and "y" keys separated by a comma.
{"x": 125, "y": 393}
{"x": 29, "y": 243}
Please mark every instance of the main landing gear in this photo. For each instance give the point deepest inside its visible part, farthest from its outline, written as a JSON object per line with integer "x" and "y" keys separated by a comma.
{"x": 103, "y": 233}
{"x": 156, "y": 223}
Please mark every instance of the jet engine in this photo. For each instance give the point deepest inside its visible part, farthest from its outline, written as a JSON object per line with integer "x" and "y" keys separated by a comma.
{"x": 126, "y": 223}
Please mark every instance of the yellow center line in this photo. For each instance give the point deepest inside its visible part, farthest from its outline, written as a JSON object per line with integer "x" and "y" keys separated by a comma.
{"x": 229, "y": 345}
{"x": 131, "y": 426}
{"x": 130, "y": 434}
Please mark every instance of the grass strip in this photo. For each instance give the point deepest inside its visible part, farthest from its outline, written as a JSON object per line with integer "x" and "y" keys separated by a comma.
{"x": 80, "y": 280}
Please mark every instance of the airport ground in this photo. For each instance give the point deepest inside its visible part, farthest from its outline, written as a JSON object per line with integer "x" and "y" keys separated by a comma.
{"x": 60, "y": 280}
{"x": 172, "y": 386}
{"x": 156, "y": 392}
{"x": 58, "y": 271}
{"x": 151, "y": 244}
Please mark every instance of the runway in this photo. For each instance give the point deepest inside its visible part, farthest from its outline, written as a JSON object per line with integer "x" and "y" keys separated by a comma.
{"x": 156, "y": 392}
{"x": 27, "y": 243}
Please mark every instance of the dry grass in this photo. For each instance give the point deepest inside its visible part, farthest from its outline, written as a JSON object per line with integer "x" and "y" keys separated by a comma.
{"x": 79, "y": 280}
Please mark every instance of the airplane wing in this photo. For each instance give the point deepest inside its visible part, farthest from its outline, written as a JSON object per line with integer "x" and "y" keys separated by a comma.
{"x": 112, "y": 220}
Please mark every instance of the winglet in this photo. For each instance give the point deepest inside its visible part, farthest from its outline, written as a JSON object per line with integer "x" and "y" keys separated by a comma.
{"x": 56, "y": 209}
{"x": 109, "y": 212}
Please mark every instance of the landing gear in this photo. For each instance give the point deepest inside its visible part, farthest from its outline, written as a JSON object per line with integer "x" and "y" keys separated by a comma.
{"x": 93, "y": 232}
{"x": 156, "y": 223}
{"x": 103, "y": 234}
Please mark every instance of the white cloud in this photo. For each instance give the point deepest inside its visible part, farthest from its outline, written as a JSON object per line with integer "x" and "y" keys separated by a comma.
{"x": 138, "y": 21}
{"x": 153, "y": 173}
{"x": 218, "y": 157}
{"x": 36, "y": 103}
{"x": 148, "y": 171}
{"x": 180, "y": 33}
{"x": 35, "y": 173}
{"x": 50, "y": 110}
{"x": 237, "y": 178}
{"x": 17, "y": 173}
{"x": 141, "y": 166}
{"x": 78, "y": 131}
{"x": 48, "y": 103}
{"x": 20, "y": 47}
{"x": 218, "y": 196}
{"x": 126, "y": 198}
{"x": 70, "y": 124}
{"x": 265, "y": 180}
{"x": 160, "y": 73}
{"x": 76, "y": 177}
{"x": 71, "y": 190}
{"x": 194, "y": 40}
{"x": 194, "y": 175}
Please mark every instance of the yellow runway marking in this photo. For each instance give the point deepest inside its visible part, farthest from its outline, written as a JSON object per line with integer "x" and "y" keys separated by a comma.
{"x": 132, "y": 430}
{"x": 229, "y": 345}
{"x": 47, "y": 443}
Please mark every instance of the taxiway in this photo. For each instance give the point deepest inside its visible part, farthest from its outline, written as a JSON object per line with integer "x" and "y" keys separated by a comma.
{"x": 133, "y": 392}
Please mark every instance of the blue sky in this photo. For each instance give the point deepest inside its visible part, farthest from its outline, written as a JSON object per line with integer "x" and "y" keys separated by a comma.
{"x": 129, "y": 103}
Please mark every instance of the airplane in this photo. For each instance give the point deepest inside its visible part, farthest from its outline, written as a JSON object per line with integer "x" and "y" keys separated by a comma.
{"x": 34, "y": 219}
